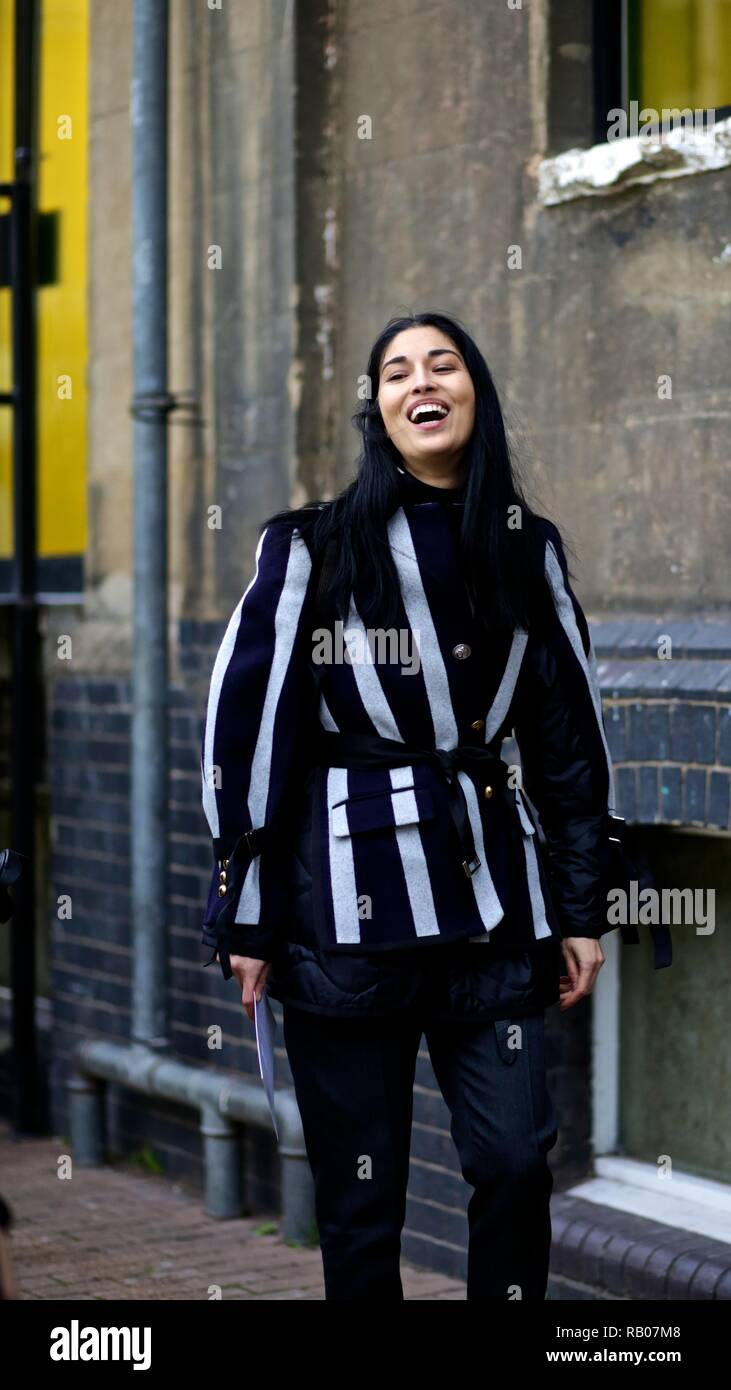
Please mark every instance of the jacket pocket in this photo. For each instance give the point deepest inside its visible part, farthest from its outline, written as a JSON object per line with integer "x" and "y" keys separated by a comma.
{"x": 381, "y": 810}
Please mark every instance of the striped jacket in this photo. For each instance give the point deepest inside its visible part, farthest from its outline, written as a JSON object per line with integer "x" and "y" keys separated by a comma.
{"x": 387, "y": 871}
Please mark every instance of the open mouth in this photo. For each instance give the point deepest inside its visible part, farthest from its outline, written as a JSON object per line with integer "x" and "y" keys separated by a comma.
{"x": 429, "y": 417}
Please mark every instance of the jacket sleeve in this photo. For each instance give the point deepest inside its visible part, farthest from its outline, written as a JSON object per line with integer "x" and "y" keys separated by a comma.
{"x": 565, "y": 761}
{"x": 259, "y": 699}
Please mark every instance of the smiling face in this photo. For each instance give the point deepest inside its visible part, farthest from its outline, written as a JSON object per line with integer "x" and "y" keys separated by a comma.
{"x": 422, "y": 367}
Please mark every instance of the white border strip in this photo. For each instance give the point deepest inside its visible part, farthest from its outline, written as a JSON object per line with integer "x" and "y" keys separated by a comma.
{"x": 686, "y": 1202}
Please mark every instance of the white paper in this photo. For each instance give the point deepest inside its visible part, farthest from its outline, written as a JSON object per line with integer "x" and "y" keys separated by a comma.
{"x": 265, "y": 1025}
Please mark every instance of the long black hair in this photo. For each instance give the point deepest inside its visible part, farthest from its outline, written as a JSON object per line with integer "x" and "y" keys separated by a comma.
{"x": 501, "y": 563}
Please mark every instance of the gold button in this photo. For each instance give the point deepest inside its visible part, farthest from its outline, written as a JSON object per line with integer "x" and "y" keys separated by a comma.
{"x": 488, "y": 791}
{"x": 478, "y": 724}
{"x": 222, "y": 876}
{"x": 222, "y": 891}
{"x": 225, "y": 863}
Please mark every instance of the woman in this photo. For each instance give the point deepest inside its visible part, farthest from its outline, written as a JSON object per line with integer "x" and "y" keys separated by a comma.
{"x": 377, "y": 862}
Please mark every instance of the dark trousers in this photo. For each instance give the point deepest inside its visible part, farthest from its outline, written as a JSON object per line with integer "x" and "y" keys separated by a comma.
{"x": 354, "y": 1080}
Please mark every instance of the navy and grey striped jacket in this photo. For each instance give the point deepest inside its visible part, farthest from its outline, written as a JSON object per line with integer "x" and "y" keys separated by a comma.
{"x": 386, "y": 871}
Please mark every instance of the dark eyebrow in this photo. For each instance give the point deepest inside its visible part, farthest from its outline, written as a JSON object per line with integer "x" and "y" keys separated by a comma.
{"x": 433, "y": 352}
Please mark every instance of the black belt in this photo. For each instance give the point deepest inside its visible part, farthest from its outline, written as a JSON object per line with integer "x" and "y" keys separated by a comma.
{"x": 370, "y": 750}
{"x": 364, "y": 751}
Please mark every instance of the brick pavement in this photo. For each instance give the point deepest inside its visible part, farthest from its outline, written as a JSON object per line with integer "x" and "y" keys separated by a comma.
{"x": 119, "y": 1233}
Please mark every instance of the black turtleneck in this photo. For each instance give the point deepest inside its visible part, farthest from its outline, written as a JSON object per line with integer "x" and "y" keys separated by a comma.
{"x": 415, "y": 489}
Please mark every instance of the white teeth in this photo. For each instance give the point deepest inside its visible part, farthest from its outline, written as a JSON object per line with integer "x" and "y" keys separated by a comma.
{"x": 420, "y": 409}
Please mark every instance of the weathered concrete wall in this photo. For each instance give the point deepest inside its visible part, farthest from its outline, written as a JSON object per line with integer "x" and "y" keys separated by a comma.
{"x": 232, "y": 168}
{"x": 324, "y": 234}
{"x": 612, "y": 294}
{"x": 231, "y": 303}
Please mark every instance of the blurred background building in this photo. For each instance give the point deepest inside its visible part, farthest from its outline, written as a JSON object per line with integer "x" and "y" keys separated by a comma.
{"x": 331, "y": 164}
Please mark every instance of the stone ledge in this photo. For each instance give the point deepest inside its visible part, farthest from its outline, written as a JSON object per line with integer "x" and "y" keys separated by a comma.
{"x": 627, "y": 636}
{"x": 674, "y": 679}
{"x": 628, "y": 664}
{"x": 615, "y": 165}
{"x": 619, "y": 1255}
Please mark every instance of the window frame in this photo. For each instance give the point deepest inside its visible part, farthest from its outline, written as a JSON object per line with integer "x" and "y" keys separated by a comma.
{"x": 615, "y": 63}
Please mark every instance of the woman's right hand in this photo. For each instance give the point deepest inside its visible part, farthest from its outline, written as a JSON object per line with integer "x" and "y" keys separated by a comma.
{"x": 252, "y": 975}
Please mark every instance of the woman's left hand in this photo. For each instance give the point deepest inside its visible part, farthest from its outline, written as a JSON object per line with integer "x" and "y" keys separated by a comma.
{"x": 584, "y": 958}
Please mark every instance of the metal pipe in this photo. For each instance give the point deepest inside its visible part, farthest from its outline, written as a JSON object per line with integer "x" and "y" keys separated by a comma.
{"x": 224, "y": 1102}
{"x": 150, "y": 404}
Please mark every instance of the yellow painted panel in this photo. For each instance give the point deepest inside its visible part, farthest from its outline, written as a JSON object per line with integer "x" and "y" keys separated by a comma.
{"x": 62, "y": 319}
{"x": 685, "y": 53}
{"x": 61, "y": 324}
{"x": 7, "y": 39}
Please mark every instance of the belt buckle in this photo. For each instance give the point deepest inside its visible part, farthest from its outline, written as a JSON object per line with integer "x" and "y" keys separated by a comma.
{"x": 471, "y": 866}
